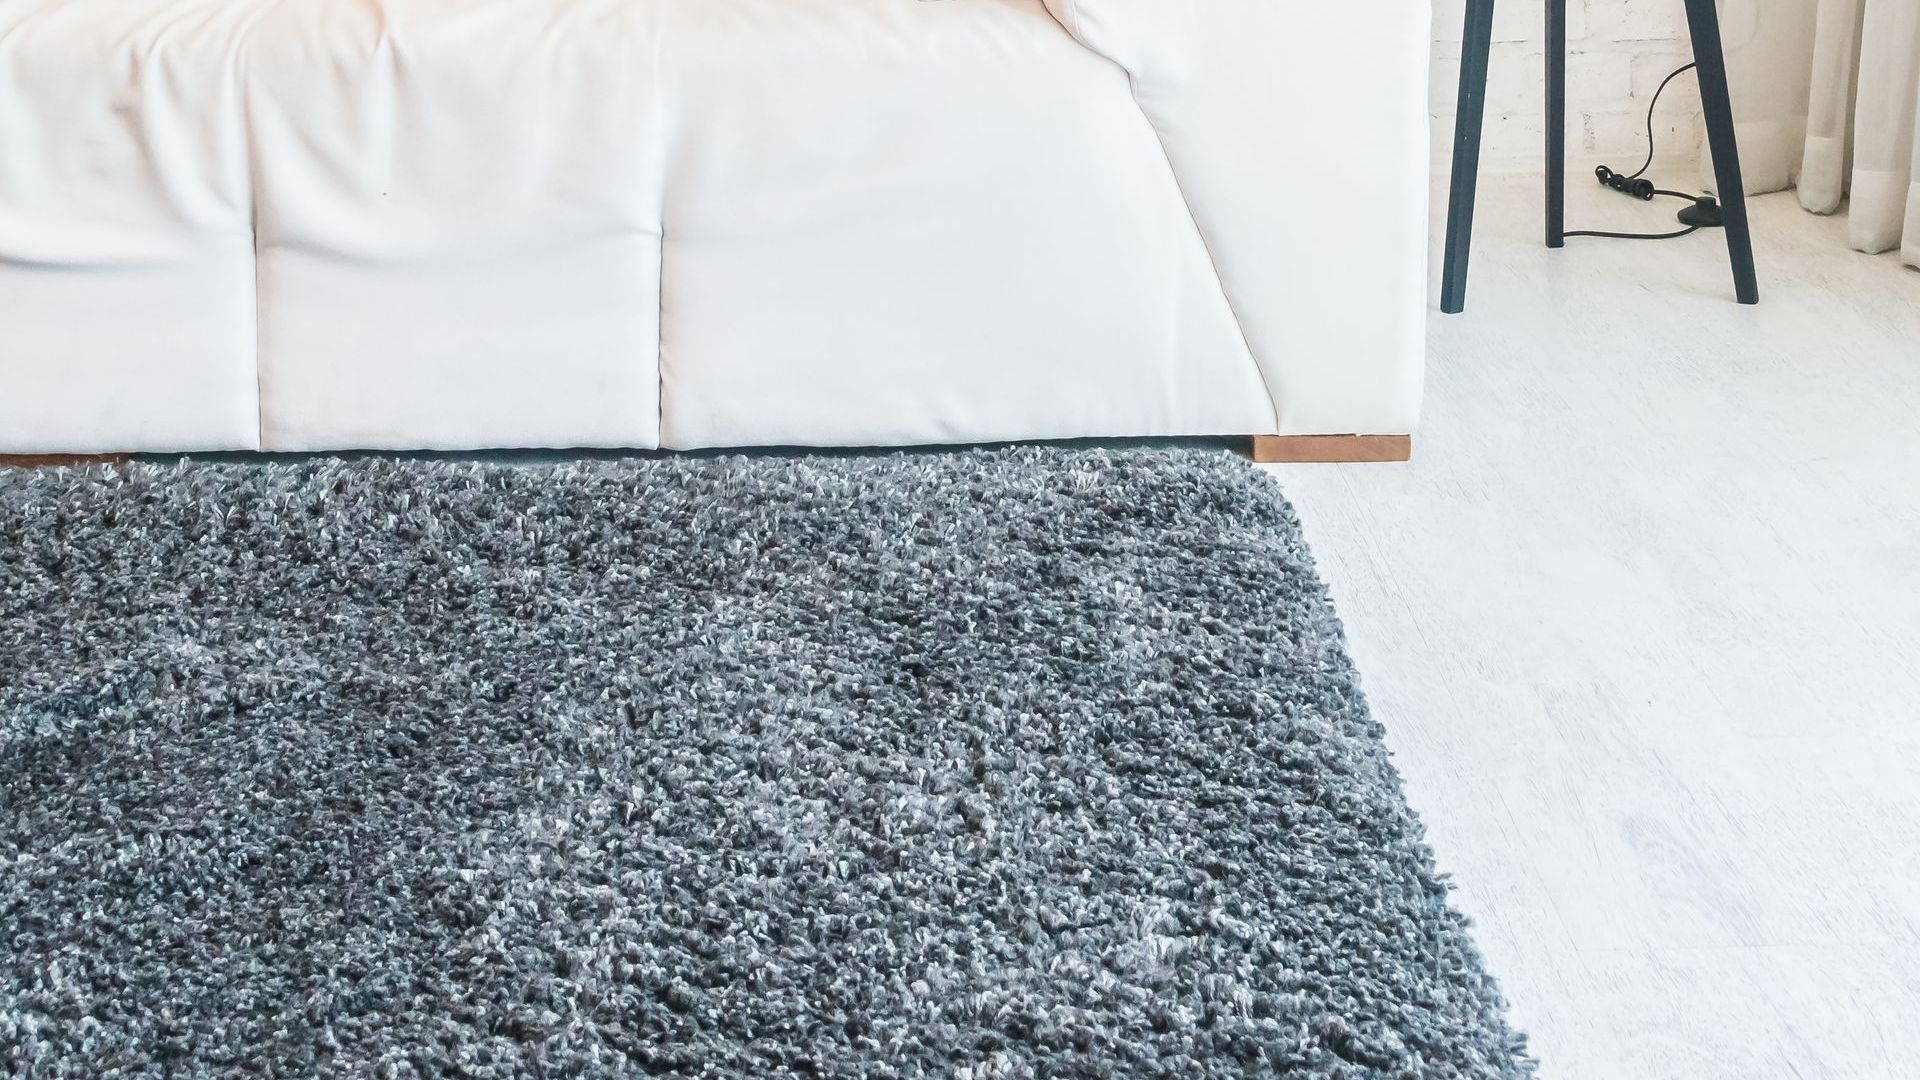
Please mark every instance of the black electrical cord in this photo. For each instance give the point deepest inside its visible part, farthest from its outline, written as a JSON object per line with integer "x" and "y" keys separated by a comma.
{"x": 1604, "y": 235}
{"x": 1652, "y": 105}
{"x": 1642, "y": 171}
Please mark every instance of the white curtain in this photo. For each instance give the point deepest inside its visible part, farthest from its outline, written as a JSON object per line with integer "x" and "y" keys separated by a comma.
{"x": 1827, "y": 96}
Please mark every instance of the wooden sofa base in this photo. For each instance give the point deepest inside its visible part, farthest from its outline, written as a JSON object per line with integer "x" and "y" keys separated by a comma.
{"x": 1274, "y": 449}
{"x": 1267, "y": 449}
{"x": 48, "y": 461}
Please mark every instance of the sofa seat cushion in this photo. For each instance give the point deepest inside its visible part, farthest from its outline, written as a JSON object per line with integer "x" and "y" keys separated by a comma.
{"x": 895, "y": 222}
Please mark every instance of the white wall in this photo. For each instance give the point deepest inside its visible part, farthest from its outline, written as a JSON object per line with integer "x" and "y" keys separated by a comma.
{"x": 1619, "y": 51}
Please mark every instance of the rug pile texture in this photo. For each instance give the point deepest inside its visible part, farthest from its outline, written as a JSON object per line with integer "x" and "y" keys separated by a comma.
{"x": 1024, "y": 763}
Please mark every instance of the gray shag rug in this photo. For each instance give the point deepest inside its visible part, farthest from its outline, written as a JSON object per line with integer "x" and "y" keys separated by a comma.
{"x": 1036, "y": 762}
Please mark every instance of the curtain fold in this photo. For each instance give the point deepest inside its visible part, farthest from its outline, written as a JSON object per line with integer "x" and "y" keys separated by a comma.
{"x": 1827, "y": 94}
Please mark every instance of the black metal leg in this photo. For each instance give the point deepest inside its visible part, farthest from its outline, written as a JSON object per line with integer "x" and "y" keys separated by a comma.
{"x": 1556, "y": 123}
{"x": 1469, "y": 115}
{"x": 1717, "y": 107}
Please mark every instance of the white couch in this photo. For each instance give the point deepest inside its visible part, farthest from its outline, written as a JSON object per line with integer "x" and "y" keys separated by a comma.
{"x": 328, "y": 224}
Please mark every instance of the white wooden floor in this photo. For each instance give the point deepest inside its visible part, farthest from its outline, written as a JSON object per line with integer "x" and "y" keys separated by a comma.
{"x": 1643, "y": 619}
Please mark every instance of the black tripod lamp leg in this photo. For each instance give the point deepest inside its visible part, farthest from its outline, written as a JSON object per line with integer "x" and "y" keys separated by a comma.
{"x": 1716, "y": 105}
{"x": 1470, "y": 114}
{"x": 1556, "y": 123}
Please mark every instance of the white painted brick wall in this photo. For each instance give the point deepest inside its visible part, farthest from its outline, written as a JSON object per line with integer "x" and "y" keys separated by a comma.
{"x": 1619, "y": 51}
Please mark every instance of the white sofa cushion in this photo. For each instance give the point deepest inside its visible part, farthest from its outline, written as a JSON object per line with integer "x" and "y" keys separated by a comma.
{"x": 126, "y": 243}
{"x": 893, "y": 222}
{"x": 459, "y": 222}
